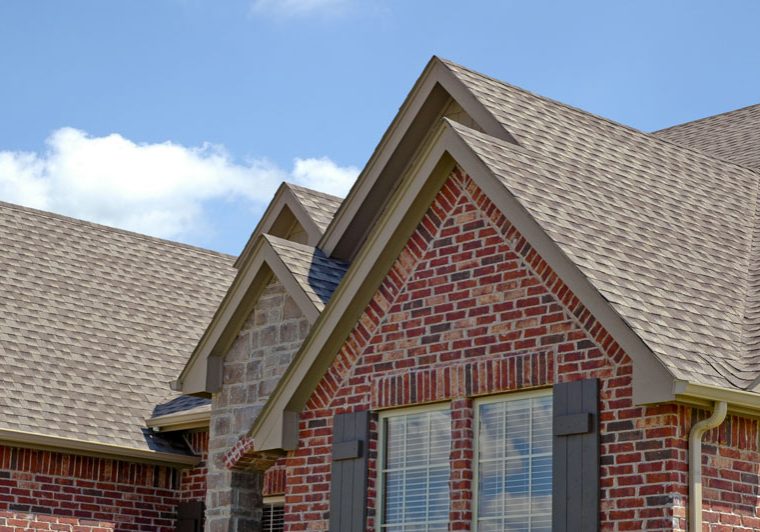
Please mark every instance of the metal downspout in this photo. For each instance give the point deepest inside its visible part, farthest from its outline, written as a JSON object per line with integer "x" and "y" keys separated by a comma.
{"x": 695, "y": 463}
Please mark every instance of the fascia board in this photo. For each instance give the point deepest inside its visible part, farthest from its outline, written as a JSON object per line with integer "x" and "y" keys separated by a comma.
{"x": 198, "y": 417}
{"x": 435, "y": 73}
{"x": 740, "y": 402}
{"x": 652, "y": 381}
{"x": 254, "y": 274}
{"x": 118, "y": 452}
{"x": 284, "y": 197}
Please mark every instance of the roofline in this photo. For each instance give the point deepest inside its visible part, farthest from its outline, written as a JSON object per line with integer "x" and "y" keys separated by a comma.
{"x": 253, "y": 276}
{"x": 708, "y": 117}
{"x": 740, "y": 402}
{"x": 88, "y": 448}
{"x": 114, "y": 230}
{"x": 436, "y": 73}
{"x": 283, "y": 197}
{"x": 196, "y": 418}
{"x": 274, "y": 427}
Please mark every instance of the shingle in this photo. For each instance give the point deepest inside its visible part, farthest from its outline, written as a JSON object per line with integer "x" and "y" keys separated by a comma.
{"x": 94, "y": 324}
{"x": 664, "y": 232}
{"x": 320, "y": 206}
{"x": 317, "y": 274}
{"x": 732, "y": 136}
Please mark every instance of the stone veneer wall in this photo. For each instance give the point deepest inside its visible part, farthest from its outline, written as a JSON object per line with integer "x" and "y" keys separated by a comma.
{"x": 253, "y": 366}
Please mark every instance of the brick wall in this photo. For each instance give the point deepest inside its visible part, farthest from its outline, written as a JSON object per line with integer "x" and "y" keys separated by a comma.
{"x": 258, "y": 357}
{"x": 44, "y": 490}
{"x": 470, "y": 309}
{"x": 192, "y": 483}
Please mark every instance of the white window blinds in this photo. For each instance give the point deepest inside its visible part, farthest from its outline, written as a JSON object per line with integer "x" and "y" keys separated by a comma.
{"x": 415, "y": 471}
{"x": 274, "y": 517}
{"x": 514, "y": 464}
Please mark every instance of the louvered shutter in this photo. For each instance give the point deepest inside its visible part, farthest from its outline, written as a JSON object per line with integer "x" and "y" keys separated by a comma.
{"x": 190, "y": 516}
{"x": 575, "y": 464}
{"x": 348, "y": 485}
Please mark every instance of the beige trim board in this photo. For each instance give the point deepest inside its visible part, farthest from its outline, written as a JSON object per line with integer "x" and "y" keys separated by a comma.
{"x": 283, "y": 199}
{"x": 65, "y": 445}
{"x": 276, "y": 426}
{"x": 740, "y": 402}
{"x": 202, "y": 373}
{"x": 420, "y": 111}
{"x": 196, "y": 418}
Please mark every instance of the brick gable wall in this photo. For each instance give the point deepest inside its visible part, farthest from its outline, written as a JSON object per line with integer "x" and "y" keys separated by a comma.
{"x": 470, "y": 309}
{"x": 45, "y": 490}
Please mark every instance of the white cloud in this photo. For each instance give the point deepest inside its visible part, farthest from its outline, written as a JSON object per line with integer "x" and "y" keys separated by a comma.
{"x": 296, "y": 8}
{"x": 159, "y": 189}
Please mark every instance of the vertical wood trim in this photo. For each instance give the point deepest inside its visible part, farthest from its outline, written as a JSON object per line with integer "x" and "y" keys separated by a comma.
{"x": 575, "y": 475}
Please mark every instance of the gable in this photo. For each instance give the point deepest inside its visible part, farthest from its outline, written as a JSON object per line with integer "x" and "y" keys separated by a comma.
{"x": 275, "y": 427}
{"x": 436, "y": 94}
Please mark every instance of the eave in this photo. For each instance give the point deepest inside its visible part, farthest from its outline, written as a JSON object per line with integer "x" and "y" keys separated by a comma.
{"x": 195, "y": 418}
{"x": 117, "y": 452}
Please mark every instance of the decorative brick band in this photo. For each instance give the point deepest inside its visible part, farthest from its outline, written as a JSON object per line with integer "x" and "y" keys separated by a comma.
{"x": 243, "y": 457}
{"x": 469, "y": 379}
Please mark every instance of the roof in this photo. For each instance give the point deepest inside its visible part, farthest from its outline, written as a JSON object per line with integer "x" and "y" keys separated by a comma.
{"x": 316, "y": 274}
{"x": 320, "y": 206}
{"x": 732, "y": 136}
{"x": 658, "y": 240}
{"x": 94, "y": 324}
{"x": 664, "y": 232}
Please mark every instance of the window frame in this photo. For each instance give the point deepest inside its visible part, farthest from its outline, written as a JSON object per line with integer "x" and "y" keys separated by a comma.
{"x": 380, "y": 462}
{"x": 490, "y": 399}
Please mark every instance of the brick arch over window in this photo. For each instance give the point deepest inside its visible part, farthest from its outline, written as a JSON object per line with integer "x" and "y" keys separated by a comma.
{"x": 470, "y": 309}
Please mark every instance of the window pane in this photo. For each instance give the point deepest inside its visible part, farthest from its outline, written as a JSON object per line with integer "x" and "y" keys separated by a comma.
{"x": 514, "y": 465}
{"x": 415, "y": 472}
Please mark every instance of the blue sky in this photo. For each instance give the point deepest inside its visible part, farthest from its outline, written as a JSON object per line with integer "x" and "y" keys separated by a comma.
{"x": 179, "y": 118}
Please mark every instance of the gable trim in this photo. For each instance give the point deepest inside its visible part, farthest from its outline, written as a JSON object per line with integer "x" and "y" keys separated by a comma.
{"x": 437, "y": 85}
{"x": 283, "y": 198}
{"x": 203, "y": 372}
{"x": 415, "y": 193}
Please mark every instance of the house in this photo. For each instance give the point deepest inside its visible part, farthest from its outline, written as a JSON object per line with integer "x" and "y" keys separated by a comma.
{"x": 522, "y": 317}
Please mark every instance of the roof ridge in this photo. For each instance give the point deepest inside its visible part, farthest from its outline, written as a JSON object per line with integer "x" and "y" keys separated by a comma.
{"x": 542, "y": 97}
{"x": 313, "y": 191}
{"x": 610, "y": 121}
{"x": 691, "y": 122}
{"x": 109, "y": 229}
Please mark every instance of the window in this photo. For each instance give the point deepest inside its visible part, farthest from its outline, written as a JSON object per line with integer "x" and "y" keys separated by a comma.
{"x": 414, "y": 470}
{"x": 274, "y": 515}
{"x": 514, "y": 463}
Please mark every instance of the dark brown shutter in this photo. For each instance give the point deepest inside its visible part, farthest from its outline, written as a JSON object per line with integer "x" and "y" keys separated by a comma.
{"x": 348, "y": 484}
{"x": 575, "y": 493}
{"x": 190, "y": 516}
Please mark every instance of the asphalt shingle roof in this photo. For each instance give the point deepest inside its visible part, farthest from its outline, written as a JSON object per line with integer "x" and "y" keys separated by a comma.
{"x": 664, "y": 232}
{"x": 320, "y": 206}
{"x": 732, "y": 136}
{"x": 317, "y": 274}
{"x": 94, "y": 324}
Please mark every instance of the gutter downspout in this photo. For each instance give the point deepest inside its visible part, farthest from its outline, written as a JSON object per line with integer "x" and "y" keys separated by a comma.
{"x": 695, "y": 463}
